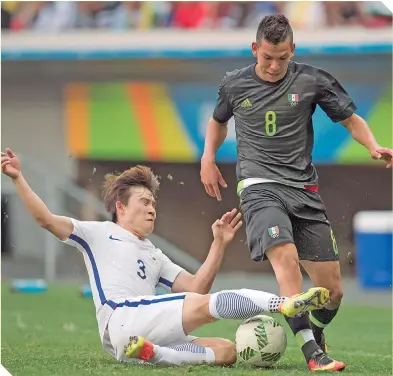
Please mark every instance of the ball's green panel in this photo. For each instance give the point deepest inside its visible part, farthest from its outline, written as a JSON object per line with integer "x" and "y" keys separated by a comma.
{"x": 270, "y": 357}
{"x": 273, "y": 322}
{"x": 247, "y": 353}
{"x": 261, "y": 335}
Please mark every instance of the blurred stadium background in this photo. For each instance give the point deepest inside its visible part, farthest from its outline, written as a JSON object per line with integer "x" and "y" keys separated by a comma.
{"x": 92, "y": 87}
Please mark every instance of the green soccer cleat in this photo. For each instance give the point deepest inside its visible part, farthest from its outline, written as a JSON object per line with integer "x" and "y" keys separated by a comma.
{"x": 139, "y": 348}
{"x": 314, "y": 298}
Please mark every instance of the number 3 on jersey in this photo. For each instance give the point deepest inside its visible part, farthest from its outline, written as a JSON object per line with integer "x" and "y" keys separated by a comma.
{"x": 270, "y": 123}
{"x": 142, "y": 268}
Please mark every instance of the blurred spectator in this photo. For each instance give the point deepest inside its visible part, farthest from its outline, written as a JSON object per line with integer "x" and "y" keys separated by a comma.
{"x": 190, "y": 15}
{"x": 368, "y": 14}
{"x": 262, "y": 9}
{"x": 379, "y": 15}
{"x": 57, "y": 16}
{"x": 8, "y": 9}
{"x": 306, "y": 14}
{"x": 97, "y": 14}
{"x": 339, "y": 13}
{"x": 21, "y": 15}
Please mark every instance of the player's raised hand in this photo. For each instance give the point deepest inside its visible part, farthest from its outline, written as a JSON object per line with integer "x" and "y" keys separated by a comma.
{"x": 385, "y": 154}
{"x": 211, "y": 177}
{"x": 224, "y": 229}
{"x": 10, "y": 164}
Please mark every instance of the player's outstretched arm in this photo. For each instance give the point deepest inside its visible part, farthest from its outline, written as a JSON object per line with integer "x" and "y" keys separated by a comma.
{"x": 61, "y": 227}
{"x": 224, "y": 230}
{"x": 210, "y": 174}
{"x": 361, "y": 132}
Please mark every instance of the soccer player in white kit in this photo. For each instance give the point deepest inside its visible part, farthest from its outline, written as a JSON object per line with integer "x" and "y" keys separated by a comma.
{"x": 124, "y": 269}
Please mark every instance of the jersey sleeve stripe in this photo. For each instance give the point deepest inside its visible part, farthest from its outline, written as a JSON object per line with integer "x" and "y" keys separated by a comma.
{"x": 165, "y": 282}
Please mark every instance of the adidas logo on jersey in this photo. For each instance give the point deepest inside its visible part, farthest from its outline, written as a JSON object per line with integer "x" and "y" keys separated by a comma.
{"x": 246, "y": 103}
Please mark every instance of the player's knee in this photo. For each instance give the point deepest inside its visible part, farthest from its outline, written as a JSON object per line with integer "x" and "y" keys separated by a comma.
{"x": 201, "y": 306}
{"x": 334, "y": 285}
{"x": 336, "y": 294}
{"x": 206, "y": 311}
{"x": 225, "y": 353}
{"x": 196, "y": 312}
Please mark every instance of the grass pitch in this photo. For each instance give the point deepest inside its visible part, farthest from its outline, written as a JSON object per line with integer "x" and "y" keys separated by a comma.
{"x": 56, "y": 334}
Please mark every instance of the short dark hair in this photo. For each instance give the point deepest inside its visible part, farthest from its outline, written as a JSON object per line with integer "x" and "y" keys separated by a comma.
{"x": 274, "y": 29}
{"x": 117, "y": 186}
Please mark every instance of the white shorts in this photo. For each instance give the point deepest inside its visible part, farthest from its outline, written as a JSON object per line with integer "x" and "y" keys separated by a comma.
{"x": 159, "y": 319}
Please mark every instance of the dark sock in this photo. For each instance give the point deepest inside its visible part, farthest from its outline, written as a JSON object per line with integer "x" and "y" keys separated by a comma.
{"x": 301, "y": 328}
{"x": 320, "y": 319}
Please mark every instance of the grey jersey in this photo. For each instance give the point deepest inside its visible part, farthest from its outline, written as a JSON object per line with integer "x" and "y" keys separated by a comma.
{"x": 273, "y": 121}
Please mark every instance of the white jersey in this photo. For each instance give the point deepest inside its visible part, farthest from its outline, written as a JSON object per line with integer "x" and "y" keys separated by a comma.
{"x": 121, "y": 267}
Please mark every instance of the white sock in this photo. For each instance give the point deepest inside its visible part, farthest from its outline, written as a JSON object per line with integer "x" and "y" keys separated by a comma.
{"x": 242, "y": 304}
{"x": 187, "y": 353}
{"x": 305, "y": 335}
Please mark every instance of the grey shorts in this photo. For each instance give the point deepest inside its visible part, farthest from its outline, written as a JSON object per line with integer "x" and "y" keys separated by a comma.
{"x": 275, "y": 213}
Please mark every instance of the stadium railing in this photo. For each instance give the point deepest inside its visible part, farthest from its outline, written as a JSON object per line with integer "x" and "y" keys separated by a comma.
{"x": 87, "y": 44}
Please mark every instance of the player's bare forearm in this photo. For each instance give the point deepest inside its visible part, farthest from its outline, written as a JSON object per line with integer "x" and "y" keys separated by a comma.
{"x": 361, "y": 132}
{"x": 205, "y": 276}
{"x": 36, "y": 207}
{"x": 215, "y": 136}
{"x": 61, "y": 227}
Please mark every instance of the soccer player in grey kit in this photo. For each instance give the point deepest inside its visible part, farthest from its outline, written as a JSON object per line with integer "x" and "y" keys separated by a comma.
{"x": 272, "y": 102}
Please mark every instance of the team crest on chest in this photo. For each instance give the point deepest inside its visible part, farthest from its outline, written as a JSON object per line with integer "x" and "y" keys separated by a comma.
{"x": 293, "y": 99}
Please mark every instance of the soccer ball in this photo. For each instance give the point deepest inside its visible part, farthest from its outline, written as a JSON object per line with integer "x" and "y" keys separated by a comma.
{"x": 260, "y": 341}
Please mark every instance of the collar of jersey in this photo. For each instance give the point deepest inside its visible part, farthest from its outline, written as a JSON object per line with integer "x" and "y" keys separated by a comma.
{"x": 123, "y": 235}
